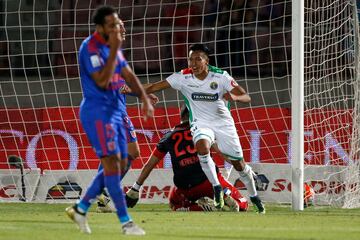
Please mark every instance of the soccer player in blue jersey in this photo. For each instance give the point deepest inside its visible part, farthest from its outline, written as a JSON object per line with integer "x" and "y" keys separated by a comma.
{"x": 103, "y": 203}
{"x": 104, "y": 72}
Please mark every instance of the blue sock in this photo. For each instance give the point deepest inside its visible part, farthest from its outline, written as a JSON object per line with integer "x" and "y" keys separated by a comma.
{"x": 95, "y": 189}
{"x": 112, "y": 183}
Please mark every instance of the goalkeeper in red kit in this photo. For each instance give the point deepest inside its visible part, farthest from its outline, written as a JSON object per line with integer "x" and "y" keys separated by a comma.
{"x": 192, "y": 191}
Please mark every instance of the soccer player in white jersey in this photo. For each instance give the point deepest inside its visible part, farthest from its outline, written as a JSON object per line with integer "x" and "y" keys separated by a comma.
{"x": 207, "y": 90}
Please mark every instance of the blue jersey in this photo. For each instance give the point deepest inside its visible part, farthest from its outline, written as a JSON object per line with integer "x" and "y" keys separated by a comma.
{"x": 103, "y": 111}
{"x": 93, "y": 55}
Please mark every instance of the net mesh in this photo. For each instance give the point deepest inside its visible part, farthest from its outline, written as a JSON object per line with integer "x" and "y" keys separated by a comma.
{"x": 251, "y": 39}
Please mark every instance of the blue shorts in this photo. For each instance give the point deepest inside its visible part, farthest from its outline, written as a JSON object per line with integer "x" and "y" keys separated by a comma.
{"x": 107, "y": 133}
{"x": 130, "y": 130}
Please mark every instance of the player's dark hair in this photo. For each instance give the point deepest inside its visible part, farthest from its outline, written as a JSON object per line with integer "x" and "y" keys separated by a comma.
{"x": 184, "y": 114}
{"x": 200, "y": 47}
{"x": 101, "y": 12}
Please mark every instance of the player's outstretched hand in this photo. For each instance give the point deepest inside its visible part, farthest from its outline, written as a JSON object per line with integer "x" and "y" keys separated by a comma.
{"x": 206, "y": 204}
{"x": 147, "y": 109}
{"x": 132, "y": 197}
{"x": 115, "y": 38}
{"x": 125, "y": 89}
{"x": 228, "y": 96}
{"x": 153, "y": 99}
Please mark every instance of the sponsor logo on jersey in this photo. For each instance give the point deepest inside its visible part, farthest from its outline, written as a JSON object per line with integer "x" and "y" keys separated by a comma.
{"x": 205, "y": 97}
{"x": 193, "y": 86}
{"x": 214, "y": 85}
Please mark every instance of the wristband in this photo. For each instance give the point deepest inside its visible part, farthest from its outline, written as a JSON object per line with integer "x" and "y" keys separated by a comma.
{"x": 136, "y": 186}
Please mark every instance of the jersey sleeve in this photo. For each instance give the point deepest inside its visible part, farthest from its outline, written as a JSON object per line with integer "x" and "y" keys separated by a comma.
{"x": 229, "y": 81}
{"x": 163, "y": 145}
{"x": 123, "y": 61}
{"x": 158, "y": 154}
{"x": 175, "y": 80}
{"x": 90, "y": 61}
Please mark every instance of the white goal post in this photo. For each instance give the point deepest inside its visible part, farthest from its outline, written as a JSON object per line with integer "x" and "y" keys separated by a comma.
{"x": 297, "y": 105}
{"x": 298, "y": 60}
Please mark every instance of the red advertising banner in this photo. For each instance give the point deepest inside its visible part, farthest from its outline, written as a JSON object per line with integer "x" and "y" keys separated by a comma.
{"x": 52, "y": 138}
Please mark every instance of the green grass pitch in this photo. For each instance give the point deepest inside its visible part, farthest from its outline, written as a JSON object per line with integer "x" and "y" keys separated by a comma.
{"x": 48, "y": 221}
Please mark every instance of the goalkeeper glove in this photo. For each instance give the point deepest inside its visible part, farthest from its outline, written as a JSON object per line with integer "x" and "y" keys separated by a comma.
{"x": 132, "y": 196}
{"x": 206, "y": 204}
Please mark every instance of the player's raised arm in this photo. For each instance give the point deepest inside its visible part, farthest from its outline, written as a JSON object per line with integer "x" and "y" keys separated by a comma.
{"x": 152, "y": 97}
{"x": 156, "y": 87}
{"x": 116, "y": 37}
{"x": 138, "y": 90}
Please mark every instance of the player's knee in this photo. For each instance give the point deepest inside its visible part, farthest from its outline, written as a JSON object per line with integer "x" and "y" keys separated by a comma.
{"x": 239, "y": 165}
{"x": 133, "y": 150}
{"x": 134, "y": 154}
{"x": 177, "y": 200}
{"x": 111, "y": 164}
{"x": 202, "y": 147}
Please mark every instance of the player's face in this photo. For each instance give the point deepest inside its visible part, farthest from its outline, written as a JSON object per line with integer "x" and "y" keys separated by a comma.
{"x": 198, "y": 62}
{"x": 113, "y": 23}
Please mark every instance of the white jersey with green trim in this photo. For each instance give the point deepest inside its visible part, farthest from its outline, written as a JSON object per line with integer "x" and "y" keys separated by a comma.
{"x": 204, "y": 98}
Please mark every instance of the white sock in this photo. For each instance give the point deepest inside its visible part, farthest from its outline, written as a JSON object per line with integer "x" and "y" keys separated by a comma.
{"x": 246, "y": 176}
{"x": 208, "y": 166}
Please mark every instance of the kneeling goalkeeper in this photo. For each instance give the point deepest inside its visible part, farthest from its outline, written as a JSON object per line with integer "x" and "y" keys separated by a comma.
{"x": 192, "y": 191}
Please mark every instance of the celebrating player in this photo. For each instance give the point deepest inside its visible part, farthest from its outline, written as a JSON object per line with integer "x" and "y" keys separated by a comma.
{"x": 207, "y": 90}
{"x": 104, "y": 71}
{"x": 192, "y": 188}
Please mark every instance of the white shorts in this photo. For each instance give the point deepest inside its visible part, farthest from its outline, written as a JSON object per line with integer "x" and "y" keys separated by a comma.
{"x": 225, "y": 137}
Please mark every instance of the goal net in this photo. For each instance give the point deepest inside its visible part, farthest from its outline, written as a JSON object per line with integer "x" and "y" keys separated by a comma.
{"x": 251, "y": 39}
{"x": 331, "y": 100}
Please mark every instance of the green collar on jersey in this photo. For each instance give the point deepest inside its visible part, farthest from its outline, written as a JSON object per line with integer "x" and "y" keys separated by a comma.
{"x": 215, "y": 69}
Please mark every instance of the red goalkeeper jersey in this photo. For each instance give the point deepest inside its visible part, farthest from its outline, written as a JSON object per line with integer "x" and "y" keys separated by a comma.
{"x": 185, "y": 163}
